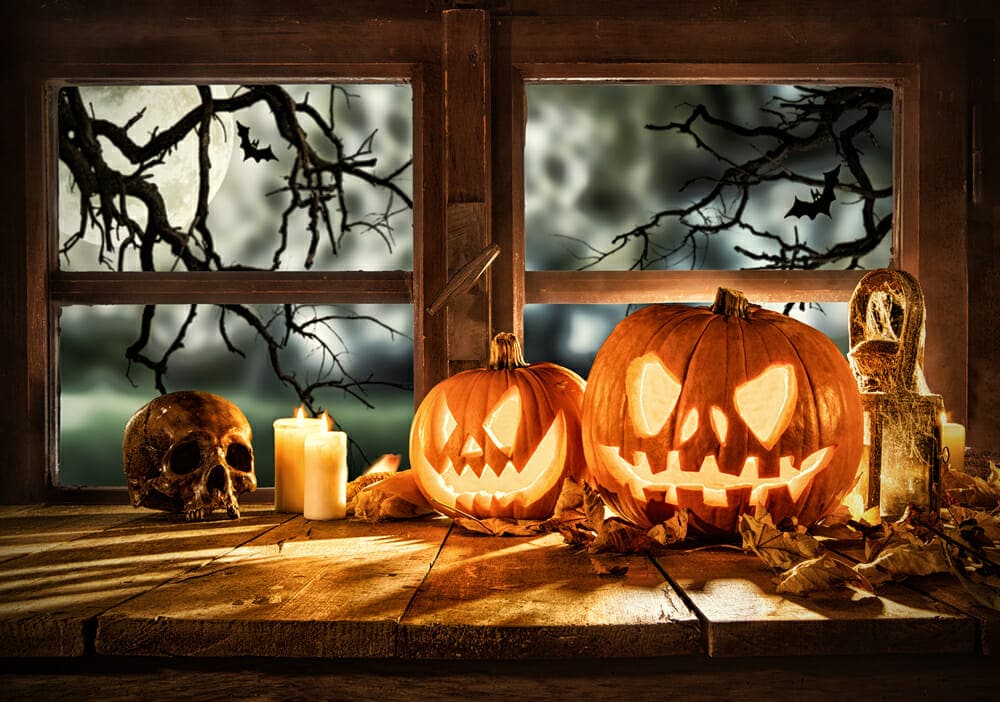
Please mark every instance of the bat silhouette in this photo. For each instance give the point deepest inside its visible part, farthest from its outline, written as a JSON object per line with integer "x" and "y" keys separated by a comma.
{"x": 820, "y": 204}
{"x": 249, "y": 146}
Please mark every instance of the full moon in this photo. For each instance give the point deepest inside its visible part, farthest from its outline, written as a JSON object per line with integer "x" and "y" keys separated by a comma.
{"x": 176, "y": 177}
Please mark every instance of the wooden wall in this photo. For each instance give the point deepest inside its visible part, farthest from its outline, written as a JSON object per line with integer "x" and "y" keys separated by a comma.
{"x": 954, "y": 45}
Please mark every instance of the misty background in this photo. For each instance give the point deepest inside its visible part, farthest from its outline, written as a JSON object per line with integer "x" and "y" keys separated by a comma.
{"x": 591, "y": 171}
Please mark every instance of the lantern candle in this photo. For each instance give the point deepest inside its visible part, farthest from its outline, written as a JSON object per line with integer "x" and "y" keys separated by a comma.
{"x": 325, "y": 475}
{"x": 289, "y": 459}
{"x": 953, "y": 439}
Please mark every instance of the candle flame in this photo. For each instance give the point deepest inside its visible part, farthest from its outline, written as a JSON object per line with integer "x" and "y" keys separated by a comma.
{"x": 327, "y": 421}
{"x": 300, "y": 413}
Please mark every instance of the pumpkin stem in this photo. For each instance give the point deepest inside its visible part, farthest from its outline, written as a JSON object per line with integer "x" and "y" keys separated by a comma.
{"x": 731, "y": 303}
{"x": 505, "y": 352}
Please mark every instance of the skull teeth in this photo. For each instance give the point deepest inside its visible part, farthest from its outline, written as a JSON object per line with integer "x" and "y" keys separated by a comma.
{"x": 713, "y": 483}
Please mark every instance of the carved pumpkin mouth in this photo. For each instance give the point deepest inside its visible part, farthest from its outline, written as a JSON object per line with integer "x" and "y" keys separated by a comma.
{"x": 662, "y": 482}
{"x": 481, "y": 489}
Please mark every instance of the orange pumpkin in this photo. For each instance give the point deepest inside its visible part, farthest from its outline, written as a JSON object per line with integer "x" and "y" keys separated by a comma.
{"x": 498, "y": 441}
{"x": 721, "y": 410}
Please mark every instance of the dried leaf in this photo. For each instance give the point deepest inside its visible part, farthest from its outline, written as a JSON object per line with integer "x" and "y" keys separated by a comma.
{"x": 778, "y": 549}
{"x": 593, "y": 508}
{"x": 672, "y": 531}
{"x": 360, "y": 483}
{"x": 386, "y": 463}
{"x": 985, "y": 591}
{"x": 618, "y": 537}
{"x": 971, "y": 490}
{"x": 395, "y": 496}
{"x": 576, "y": 536}
{"x": 907, "y": 558}
{"x": 987, "y": 523}
{"x": 499, "y": 526}
{"x": 818, "y": 574}
{"x": 605, "y": 569}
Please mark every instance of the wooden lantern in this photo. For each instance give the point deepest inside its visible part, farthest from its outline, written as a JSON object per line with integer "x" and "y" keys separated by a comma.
{"x": 902, "y": 416}
{"x": 498, "y": 441}
{"x": 720, "y": 410}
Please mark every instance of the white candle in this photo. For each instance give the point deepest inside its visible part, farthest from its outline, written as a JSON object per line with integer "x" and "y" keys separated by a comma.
{"x": 326, "y": 476}
{"x": 953, "y": 439}
{"x": 289, "y": 459}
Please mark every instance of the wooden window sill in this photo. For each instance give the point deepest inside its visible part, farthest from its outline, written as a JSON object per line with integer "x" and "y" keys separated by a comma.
{"x": 111, "y": 581}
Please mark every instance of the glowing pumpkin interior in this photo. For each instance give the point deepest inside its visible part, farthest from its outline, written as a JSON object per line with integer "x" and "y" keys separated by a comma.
{"x": 498, "y": 442}
{"x": 765, "y": 404}
{"x": 720, "y": 413}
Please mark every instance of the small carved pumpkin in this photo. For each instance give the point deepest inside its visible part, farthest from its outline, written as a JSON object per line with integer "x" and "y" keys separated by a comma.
{"x": 498, "y": 441}
{"x": 721, "y": 410}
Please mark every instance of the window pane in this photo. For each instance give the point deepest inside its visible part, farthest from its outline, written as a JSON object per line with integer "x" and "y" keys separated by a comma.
{"x": 707, "y": 177}
{"x": 369, "y": 353}
{"x": 297, "y": 177}
{"x": 571, "y": 335}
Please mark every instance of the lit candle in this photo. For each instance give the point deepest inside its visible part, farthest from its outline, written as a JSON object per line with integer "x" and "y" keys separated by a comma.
{"x": 290, "y": 459}
{"x": 326, "y": 476}
{"x": 953, "y": 439}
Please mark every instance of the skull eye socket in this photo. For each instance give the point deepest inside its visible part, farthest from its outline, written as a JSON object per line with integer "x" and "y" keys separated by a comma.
{"x": 766, "y": 403}
{"x": 238, "y": 457}
{"x": 652, "y": 394}
{"x": 185, "y": 458}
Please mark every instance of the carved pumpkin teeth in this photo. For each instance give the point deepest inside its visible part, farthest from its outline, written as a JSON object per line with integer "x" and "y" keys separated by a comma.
{"x": 479, "y": 493}
{"x": 643, "y": 480}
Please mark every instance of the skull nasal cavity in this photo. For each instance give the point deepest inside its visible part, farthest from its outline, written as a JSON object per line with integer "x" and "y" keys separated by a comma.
{"x": 185, "y": 458}
{"x": 217, "y": 480}
{"x": 238, "y": 457}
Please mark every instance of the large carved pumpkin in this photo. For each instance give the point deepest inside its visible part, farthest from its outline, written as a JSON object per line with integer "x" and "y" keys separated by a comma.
{"x": 498, "y": 441}
{"x": 720, "y": 410}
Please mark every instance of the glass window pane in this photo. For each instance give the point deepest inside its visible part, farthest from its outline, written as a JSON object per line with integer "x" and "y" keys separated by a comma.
{"x": 571, "y": 335}
{"x": 707, "y": 177}
{"x": 368, "y": 358}
{"x": 292, "y": 177}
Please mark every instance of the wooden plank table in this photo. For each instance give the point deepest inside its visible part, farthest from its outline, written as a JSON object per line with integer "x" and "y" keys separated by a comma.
{"x": 98, "y": 588}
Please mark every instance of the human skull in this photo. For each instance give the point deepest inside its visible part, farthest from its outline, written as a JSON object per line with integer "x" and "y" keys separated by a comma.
{"x": 189, "y": 452}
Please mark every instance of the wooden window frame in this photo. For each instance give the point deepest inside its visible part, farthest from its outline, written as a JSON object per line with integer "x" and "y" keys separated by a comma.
{"x": 468, "y": 69}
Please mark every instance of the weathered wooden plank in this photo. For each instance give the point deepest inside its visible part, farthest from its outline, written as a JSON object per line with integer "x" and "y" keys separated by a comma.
{"x": 388, "y": 287}
{"x": 582, "y": 287}
{"x": 496, "y": 597}
{"x": 48, "y": 600}
{"x": 776, "y": 679}
{"x": 304, "y": 589}
{"x": 465, "y": 56}
{"x": 946, "y": 589}
{"x": 596, "y": 39}
{"x": 34, "y": 529}
{"x": 743, "y": 614}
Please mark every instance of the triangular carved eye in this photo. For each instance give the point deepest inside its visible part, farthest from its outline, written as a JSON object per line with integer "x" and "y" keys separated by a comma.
{"x": 443, "y": 425}
{"x": 652, "y": 394}
{"x": 766, "y": 403}
{"x": 501, "y": 425}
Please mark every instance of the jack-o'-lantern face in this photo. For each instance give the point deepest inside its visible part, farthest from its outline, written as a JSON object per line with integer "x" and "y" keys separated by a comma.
{"x": 498, "y": 442}
{"x": 721, "y": 414}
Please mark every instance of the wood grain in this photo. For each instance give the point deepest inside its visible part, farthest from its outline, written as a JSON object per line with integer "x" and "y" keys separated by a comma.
{"x": 48, "y": 600}
{"x": 743, "y": 615}
{"x": 385, "y": 287}
{"x": 584, "y": 287}
{"x": 36, "y": 529}
{"x": 498, "y": 597}
{"x": 304, "y": 589}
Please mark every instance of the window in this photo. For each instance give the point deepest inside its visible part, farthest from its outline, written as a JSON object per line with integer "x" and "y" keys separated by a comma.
{"x": 474, "y": 77}
{"x": 702, "y": 177}
{"x": 207, "y": 181}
